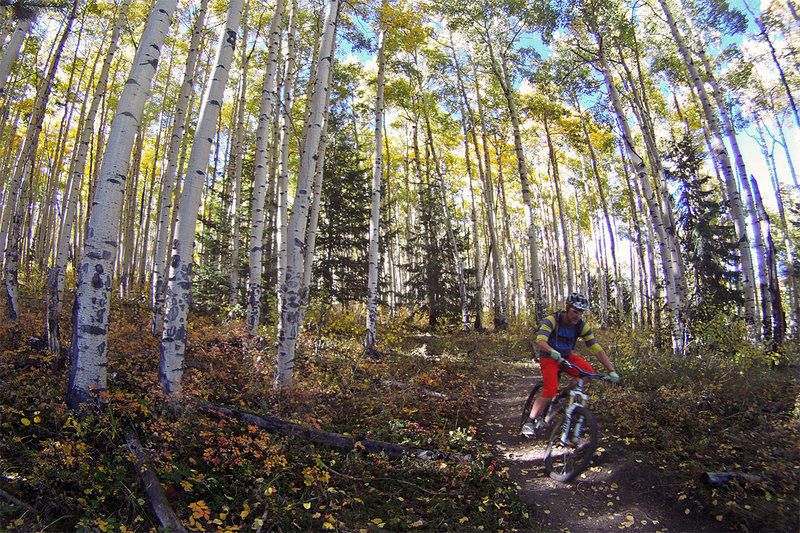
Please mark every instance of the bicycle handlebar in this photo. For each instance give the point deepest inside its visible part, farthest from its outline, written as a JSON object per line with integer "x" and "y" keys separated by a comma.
{"x": 584, "y": 373}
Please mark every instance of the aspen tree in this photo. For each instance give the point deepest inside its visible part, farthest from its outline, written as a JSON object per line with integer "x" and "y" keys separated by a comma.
{"x": 173, "y": 338}
{"x": 88, "y": 359}
{"x": 291, "y": 312}
{"x": 266, "y": 112}
{"x": 377, "y": 177}
{"x": 21, "y": 178}
{"x": 175, "y": 146}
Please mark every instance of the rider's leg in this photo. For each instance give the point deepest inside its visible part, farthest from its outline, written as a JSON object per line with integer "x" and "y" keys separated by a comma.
{"x": 550, "y": 371}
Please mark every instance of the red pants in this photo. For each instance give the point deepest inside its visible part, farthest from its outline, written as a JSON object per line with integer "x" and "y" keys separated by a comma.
{"x": 551, "y": 369}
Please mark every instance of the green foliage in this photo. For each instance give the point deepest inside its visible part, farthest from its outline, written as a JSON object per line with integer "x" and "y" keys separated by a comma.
{"x": 706, "y": 234}
{"x": 342, "y": 243}
{"x": 709, "y": 413}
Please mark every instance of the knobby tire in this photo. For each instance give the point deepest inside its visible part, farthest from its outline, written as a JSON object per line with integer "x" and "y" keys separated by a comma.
{"x": 564, "y": 463}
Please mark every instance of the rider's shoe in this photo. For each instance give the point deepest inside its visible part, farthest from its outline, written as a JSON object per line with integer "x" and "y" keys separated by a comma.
{"x": 530, "y": 428}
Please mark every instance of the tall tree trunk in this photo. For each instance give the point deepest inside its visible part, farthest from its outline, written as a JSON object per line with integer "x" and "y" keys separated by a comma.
{"x": 719, "y": 151}
{"x": 778, "y": 325}
{"x": 88, "y": 359}
{"x": 176, "y": 145}
{"x": 469, "y": 133}
{"x": 265, "y": 120}
{"x": 677, "y": 325}
{"x": 375, "y": 214}
{"x": 289, "y": 324}
{"x": 562, "y": 215}
{"x": 21, "y": 178}
{"x": 451, "y": 238}
{"x": 604, "y": 204}
{"x": 173, "y": 338}
{"x": 236, "y": 161}
{"x": 504, "y": 77}
{"x": 282, "y": 215}
{"x": 12, "y": 49}
{"x": 498, "y": 298}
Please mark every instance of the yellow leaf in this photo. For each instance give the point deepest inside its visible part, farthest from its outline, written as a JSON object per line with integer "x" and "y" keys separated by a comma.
{"x": 418, "y": 523}
{"x": 327, "y": 525}
{"x": 25, "y": 422}
{"x": 719, "y": 517}
{"x": 463, "y": 519}
{"x": 307, "y": 505}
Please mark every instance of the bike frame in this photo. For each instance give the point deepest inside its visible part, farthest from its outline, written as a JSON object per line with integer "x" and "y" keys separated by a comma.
{"x": 576, "y": 398}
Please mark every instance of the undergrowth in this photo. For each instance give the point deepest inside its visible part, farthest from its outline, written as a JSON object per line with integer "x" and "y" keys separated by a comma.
{"x": 62, "y": 471}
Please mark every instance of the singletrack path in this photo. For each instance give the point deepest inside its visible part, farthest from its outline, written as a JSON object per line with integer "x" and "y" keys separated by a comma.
{"x": 617, "y": 492}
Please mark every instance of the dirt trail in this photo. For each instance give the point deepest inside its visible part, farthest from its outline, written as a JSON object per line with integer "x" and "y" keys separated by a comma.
{"x": 617, "y": 492}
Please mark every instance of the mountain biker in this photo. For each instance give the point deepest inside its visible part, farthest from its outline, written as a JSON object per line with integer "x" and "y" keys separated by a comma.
{"x": 556, "y": 341}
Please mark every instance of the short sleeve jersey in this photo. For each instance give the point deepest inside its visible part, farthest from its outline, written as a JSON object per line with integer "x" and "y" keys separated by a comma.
{"x": 564, "y": 338}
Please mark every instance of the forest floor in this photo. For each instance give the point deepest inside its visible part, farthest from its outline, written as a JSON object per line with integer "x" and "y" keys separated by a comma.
{"x": 671, "y": 421}
{"x": 619, "y": 491}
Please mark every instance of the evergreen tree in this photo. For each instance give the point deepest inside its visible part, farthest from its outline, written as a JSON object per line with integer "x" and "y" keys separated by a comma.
{"x": 706, "y": 233}
{"x": 340, "y": 265}
{"x": 433, "y": 285}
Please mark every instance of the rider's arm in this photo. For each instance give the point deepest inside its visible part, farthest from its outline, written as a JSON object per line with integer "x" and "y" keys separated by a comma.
{"x": 595, "y": 348}
{"x": 545, "y": 329}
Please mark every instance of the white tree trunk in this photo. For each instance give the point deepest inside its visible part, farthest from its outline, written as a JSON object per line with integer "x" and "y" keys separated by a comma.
{"x": 375, "y": 216}
{"x": 21, "y": 178}
{"x": 173, "y": 338}
{"x": 721, "y": 154}
{"x": 282, "y": 215}
{"x": 88, "y": 358}
{"x": 179, "y": 123}
{"x": 265, "y": 119}
{"x": 12, "y": 49}
{"x": 677, "y": 326}
{"x": 291, "y": 312}
{"x": 522, "y": 168}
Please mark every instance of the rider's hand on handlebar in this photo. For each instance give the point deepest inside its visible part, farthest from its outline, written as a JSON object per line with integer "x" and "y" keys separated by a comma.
{"x": 614, "y": 377}
{"x": 556, "y": 355}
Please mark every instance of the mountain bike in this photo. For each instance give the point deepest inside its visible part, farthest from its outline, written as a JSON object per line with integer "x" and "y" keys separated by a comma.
{"x": 573, "y": 440}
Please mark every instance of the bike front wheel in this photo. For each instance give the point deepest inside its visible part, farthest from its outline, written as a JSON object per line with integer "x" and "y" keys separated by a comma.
{"x": 572, "y": 444}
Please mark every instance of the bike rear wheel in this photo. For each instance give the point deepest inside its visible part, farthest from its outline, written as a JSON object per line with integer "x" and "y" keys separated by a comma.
{"x": 565, "y": 460}
{"x": 526, "y": 411}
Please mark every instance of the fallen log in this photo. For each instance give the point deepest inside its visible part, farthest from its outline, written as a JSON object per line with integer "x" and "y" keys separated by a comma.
{"x": 722, "y": 478}
{"x": 335, "y": 440}
{"x": 152, "y": 486}
{"x": 423, "y": 390}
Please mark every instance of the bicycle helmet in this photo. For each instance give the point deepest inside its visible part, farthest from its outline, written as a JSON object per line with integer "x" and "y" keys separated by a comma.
{"x": 578, "y": 301}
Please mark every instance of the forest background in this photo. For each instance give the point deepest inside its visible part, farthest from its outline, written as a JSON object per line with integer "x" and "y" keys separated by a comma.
{"x": 298, "y": 169}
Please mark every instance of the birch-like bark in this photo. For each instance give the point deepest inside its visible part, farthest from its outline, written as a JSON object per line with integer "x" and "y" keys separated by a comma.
{"x": 289, "y": 320}
{"x": 12, "y": 49}
{"x": 677, "y": 326}
{"x": 777, "y": 317}
{"x": 604, "y": 204}
{"x": 88, "y": 359}
{"x": 282, "y": 190}
{"x": 568, "y": 261}
{"x": 466, "y": 112}
{"x": 15, "y": 208}
{"x": 375, "y": 213}
{"x": 173, "y": 338}
{"x": 179, "y": 124}
{"x": 500, "y": 313}
{"x": 236, "y": 158}
{"x": 451, "y": 239}
{"x": 720, "y": 152}
{"x": 522, "y": 167}
{"x": 263, "y": 133}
